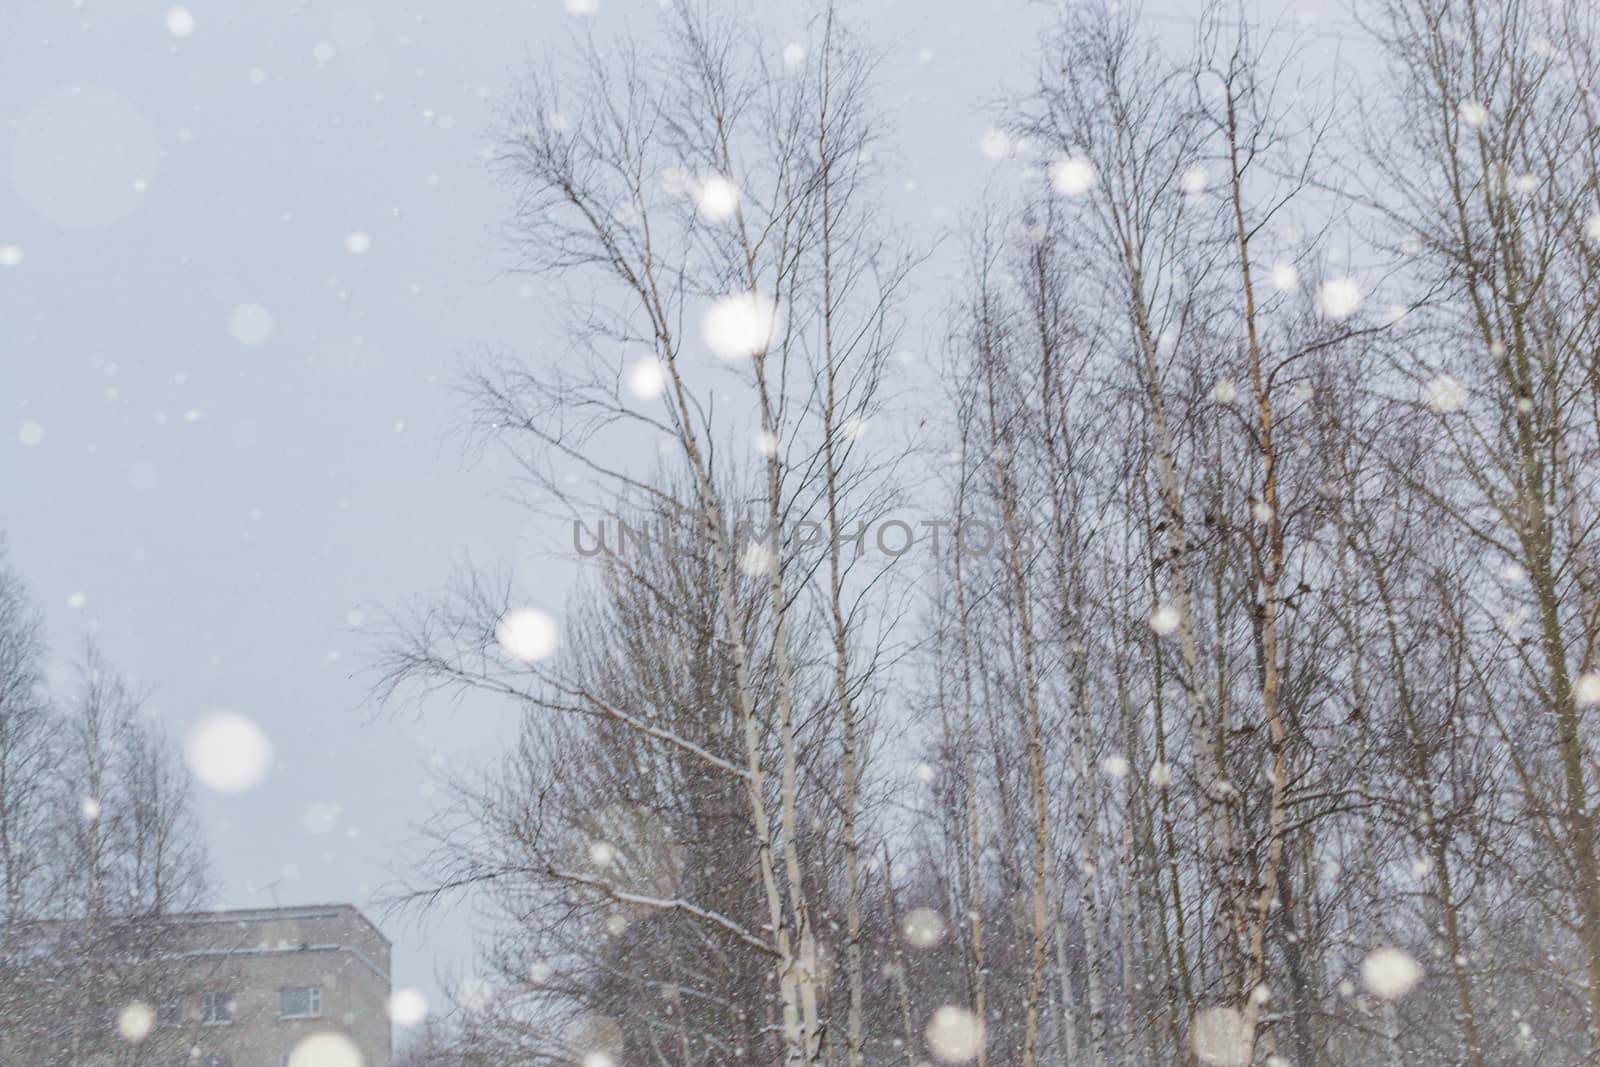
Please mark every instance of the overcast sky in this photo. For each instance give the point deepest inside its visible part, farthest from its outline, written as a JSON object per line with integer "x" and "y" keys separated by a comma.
{"x": 242, "y": 255}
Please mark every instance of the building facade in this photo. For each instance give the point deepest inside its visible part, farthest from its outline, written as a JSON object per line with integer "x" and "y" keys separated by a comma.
{"x": 275, "y": 987}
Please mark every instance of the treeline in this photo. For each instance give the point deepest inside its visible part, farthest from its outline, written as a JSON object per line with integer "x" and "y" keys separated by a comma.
{"x": 1260, "y": 734}
{"x": 98, "y": 841}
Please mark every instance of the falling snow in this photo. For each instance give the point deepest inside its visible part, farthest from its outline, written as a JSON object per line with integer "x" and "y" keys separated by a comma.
{"x": 739, "y": 325}
{"x": 717, "y": 198}
{"x": 228, "y": 753}
{"x": 1073, "y": 176}
{"x": 250, "y": 324}
{"x": 1389, "y": 973}
{"x": 923, "y": 927}
{"x": 647, "y": 378}
{"x": 407, "y": 1007}
{"x": 135, "y": 1022}
{"x": 180, "y": 21}
{"x": 1339, "y": 298}
{"x": 1059, "y": 299}
{"x": 1445, "y": 394}
{"x": 954, "y": 1034}
{"x": 527, "y": 634}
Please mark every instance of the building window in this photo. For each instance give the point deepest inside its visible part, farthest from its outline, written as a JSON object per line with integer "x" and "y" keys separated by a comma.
{"x": 216, "y": 1009}
{"x": 170, "y": 1013}
{"x": 299, "y": 1002}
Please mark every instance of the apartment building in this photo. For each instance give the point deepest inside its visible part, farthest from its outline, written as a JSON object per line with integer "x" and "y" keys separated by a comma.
{"x": 274, "y": 987}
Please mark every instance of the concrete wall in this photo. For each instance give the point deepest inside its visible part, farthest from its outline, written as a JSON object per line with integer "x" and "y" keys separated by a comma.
{"x": 251, "y": 956}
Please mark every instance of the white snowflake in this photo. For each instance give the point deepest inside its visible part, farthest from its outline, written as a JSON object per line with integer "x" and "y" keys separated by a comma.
{"x": 228, "y": 753}
{"x": 1473, "y": 114}
{"x": 250, "y": 324}
{"x": 1445, "y": 394}
{"x": 647, "y": 378}
{"x": 1587, "y": 688}
{"x": 994, "y": 144}
{"x": 1073, "y": 176}
{"x": 757, "y": 560}
{"x": 717, "y": 198}
{"x": 1338, "y": 298}
{"x": 1390, "y": 973}
{"x": 475, "y": 994}
{"x": 1218, "y": 1037}
{"x": 923, "y": 927}
{"x": 954, "y": 1034}
{"x": 527, "y": 634}
{"x": 180, "y": 21}
{"x": 407, "y": 1007}
{"x": 327, "y": 1048}
{"x": 739, "y": 325}
{"x": 135, "y": 1022}
{"x": 1164, "y": 620}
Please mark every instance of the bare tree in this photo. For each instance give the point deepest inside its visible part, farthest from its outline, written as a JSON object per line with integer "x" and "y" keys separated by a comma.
{"x": 107, "y": 849}
{"x": 25, "y": 753}
{"x": 1260, "y": 650}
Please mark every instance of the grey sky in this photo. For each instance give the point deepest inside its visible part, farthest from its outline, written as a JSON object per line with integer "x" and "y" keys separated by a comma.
{"x": 223, "y": 508}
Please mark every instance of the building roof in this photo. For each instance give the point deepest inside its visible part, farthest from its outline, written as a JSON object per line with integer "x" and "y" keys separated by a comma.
{"x": 289, "y": 912}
